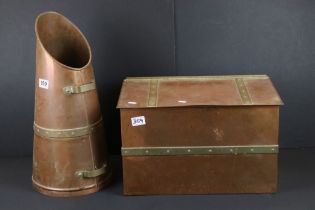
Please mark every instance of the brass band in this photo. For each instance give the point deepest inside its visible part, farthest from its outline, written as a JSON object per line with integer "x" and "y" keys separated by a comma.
{"x": 199, "y": 150}
{"x": 80, "y": 88}
{"x": 91, "y": 173}
{"x": 64, "y": 134}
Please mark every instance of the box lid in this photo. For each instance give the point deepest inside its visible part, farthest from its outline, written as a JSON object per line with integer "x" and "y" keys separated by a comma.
{"x": 177, "y": 91}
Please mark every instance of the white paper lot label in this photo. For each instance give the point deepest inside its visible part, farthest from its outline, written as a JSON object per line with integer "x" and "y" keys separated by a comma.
{"x": 43, "y": 83}
{"x": 136, "y": 121}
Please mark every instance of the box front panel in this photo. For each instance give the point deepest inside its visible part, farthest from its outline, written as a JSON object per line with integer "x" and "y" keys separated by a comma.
{"x": 200, "y": 174}
{"x": 194, "y": 127}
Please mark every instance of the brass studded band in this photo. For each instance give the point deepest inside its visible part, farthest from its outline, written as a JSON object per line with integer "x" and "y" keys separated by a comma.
{"x": 79, "y": 89}
{"x": 199, "y": 150}
{"x": 91, "y": 173}
{"x": 65, "y": 134}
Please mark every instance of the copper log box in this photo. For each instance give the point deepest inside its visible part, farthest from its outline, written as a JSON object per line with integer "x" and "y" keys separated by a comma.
{"x": 199, "y": 135}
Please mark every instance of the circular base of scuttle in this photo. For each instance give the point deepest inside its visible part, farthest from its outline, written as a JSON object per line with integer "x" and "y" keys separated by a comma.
{"x": 73, "y": 193}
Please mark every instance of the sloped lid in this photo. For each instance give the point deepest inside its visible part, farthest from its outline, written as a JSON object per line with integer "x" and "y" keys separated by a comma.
{"x": 177, "y": 91}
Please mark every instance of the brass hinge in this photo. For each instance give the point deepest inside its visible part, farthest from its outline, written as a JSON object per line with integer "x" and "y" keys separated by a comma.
{"x": 153, "y": 92}
{"x": 199, "y": 150}
{"x": 242, "y": 89}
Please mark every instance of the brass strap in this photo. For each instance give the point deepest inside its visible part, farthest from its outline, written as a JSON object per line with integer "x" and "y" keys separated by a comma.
{"x": 199, "y": 150}
{"x": 241, "y": 86}
{"x": 65, "y": 134}
{"x": 91, "y": 173}
{"x": 80, "y": 88}
{"x": 153, "y": 91}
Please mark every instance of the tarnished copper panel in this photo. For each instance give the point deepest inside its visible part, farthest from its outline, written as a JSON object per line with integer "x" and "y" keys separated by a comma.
{"x": 203, "y": 135}
{"x": 201, "y": 126}
{"x": 200, "y": 174}
{"x": 68, "y": 132}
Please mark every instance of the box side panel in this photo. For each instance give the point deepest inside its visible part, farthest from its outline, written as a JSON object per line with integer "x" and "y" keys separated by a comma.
{"x": 201, "y": 126}
{"x": 206, "y": 174}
